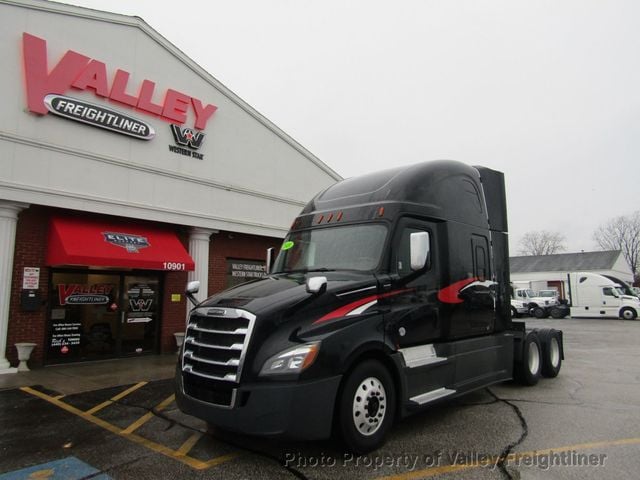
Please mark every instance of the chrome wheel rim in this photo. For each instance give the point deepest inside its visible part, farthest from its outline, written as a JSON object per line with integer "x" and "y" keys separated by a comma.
{"x": 369, "y": 406}
{"x": 534, "y": 358}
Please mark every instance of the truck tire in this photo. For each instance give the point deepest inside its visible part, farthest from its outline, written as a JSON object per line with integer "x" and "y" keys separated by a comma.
{"x": 366, "y": 407}
{"x": 514, "y": 312}
{"x": 527, "y": 370}
{"x": 551, "y": 344}
{"x": 628, "y": 313}
{"x": 557, "y": 313}
{"x": 540, "y": 312}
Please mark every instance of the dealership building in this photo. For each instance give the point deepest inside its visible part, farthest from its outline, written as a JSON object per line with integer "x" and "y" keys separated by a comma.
{"x": 126, "y": 171}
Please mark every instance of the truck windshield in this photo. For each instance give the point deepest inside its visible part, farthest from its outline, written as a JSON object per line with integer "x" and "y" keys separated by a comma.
{"x": 350, "y": 247}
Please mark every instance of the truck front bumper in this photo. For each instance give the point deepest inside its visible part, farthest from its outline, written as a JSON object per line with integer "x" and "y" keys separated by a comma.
{"x": 300, "y": 410}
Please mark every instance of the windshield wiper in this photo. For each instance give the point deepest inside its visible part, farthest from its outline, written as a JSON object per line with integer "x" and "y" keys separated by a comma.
{"x": 308, "y": 270}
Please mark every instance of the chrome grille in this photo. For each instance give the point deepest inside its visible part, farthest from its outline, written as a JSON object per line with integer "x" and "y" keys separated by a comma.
{"x": 216, "y": 343}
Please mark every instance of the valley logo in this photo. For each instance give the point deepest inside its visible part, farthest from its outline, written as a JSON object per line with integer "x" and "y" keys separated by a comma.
{"x": 132, "y": 243}
{"x": 186, "y": 137}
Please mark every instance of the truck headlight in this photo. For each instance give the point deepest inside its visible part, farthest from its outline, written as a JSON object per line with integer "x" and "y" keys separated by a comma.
{"x": 292, "y": 360}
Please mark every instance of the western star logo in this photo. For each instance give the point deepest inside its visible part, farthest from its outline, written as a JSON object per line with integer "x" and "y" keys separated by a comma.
{"x": 78, "y": 71}
{"x": 140, "y": 304}
{"x": 132, "y": 243}
{"x": 186, "y": 137}
{"x": 98, "y": 116}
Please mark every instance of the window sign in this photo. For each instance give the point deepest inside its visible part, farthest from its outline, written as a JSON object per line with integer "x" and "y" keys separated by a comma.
{"x": 240, "y": 271}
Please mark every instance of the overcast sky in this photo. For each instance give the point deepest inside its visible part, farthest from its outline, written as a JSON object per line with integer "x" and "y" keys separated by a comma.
{"x": 547, "y": 91}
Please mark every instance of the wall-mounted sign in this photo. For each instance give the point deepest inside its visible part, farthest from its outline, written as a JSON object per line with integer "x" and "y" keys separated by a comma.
{"x": 240, "y": 271}
{"x": 186, "y": 137}
{"x": 80, "y": 72}
{"x": 98, "y": 116}
{"x": 31, "y": 278}
{"x": 132, "y": 243}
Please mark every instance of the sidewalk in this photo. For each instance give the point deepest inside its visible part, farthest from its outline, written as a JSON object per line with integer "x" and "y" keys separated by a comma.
{"x": 76, "y": 378}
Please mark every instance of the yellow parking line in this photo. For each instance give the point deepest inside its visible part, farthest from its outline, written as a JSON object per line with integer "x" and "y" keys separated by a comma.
{"x": 120, "y": 396}
{"x": 218, "y": 460}
{"x": 149, "y": 415}
{"x": 430, "y": 472}
{"x": 151, "y": 445}
{"x": 189, "y": 444}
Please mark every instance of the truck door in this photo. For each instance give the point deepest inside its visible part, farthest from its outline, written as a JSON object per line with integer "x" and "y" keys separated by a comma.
{"x": 413, "y": 318}
{"x": 474, "y": 312}
{"x": 611, "y": 301}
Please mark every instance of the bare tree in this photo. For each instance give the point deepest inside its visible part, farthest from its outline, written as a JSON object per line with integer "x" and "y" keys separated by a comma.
{"x": 541, "y": 243}
{"x": 622, "y": 233}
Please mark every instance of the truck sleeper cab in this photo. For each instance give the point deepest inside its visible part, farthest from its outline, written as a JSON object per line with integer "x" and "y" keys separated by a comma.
{"x": 593, "y": 295}
{"x": 389, "y": 293}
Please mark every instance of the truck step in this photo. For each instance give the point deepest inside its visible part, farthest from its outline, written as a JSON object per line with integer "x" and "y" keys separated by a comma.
{"x": 432, "y": 395}
{"x": 420, "y": 356}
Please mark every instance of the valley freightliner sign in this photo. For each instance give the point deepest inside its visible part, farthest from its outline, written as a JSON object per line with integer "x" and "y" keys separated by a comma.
{"x": 98, "y": 116}
{"x": 47, "y": 85}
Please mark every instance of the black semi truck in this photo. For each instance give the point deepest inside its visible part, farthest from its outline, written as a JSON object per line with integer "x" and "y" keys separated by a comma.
{"x": 390, "y": 292}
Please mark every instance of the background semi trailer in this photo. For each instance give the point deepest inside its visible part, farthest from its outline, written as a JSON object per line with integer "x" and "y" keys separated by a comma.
{"x": 390, "y": 292}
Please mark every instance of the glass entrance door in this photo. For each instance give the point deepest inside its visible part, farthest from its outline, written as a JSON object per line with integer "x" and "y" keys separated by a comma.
{"x": 139, "y": 318}
{"x": 102, "y": 315}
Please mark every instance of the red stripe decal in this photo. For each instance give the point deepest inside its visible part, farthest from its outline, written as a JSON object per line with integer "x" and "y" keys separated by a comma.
{"x": 344, "y": 310}
{"x": 450, "y": 294}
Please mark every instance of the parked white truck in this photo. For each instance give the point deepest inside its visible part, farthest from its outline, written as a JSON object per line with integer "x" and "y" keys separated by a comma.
{"x": 525, "y": 300}
{"x": 593, "y": 295}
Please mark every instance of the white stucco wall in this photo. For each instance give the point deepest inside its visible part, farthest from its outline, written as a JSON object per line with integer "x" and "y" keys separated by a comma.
{"x": 253, "y": 178}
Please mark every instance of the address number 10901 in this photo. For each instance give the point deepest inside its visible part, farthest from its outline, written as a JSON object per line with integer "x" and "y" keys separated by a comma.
{"x": 174, "y": 266}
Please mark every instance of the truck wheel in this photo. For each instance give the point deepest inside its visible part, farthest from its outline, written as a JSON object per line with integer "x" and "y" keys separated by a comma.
{"x": 514, "y": 312}
{"x": 366, "y": 407}
{"x": 527, "y": 371}
{"x": 628, "y": 313}
{"x": 540, "y": 312}
{"x": 550, "y": 343}
{"x": 556, "y": 313}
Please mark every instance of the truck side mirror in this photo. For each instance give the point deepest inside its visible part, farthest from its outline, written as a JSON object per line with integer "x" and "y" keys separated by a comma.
{"x": 193, "y": 288}
{"x": 316, "y": 285}
{"x": 270, "y": 259}
{"x": 419, "y": 248}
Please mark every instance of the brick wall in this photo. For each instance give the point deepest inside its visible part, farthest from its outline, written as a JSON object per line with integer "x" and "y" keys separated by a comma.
{"x": 238, "y": 246}
{"x": 31, "y": 245}
{"x": 173, "y": 313}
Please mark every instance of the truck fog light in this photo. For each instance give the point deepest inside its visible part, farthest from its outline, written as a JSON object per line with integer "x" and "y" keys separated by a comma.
{"x": 292, "y": 360}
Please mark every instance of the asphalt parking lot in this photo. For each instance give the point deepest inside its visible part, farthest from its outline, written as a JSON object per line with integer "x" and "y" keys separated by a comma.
{"x": 583, "y": 424}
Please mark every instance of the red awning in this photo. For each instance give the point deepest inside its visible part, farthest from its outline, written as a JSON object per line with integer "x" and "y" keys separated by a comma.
{"x": 87, "y": 242}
